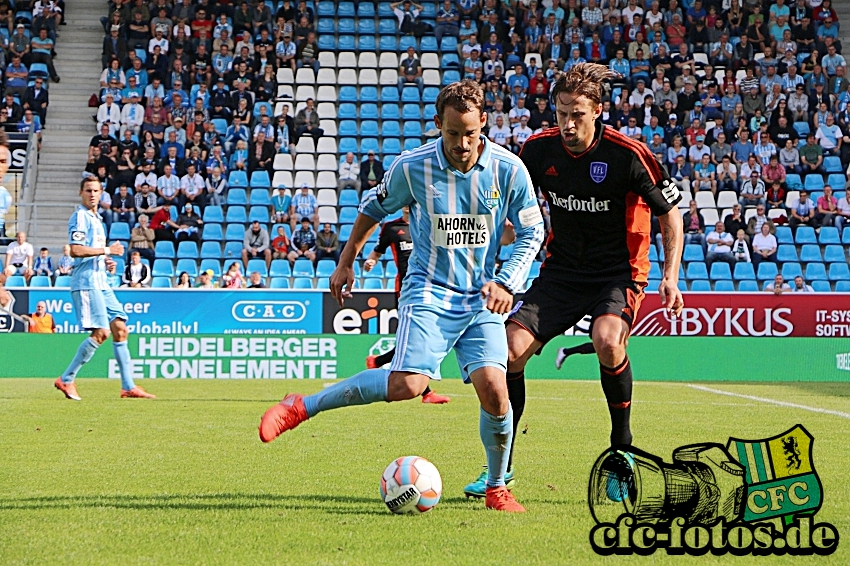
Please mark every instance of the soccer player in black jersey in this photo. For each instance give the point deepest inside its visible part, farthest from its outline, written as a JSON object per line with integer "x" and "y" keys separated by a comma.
{"x": 395, "y": 235}
{"x": 602, "y": 188}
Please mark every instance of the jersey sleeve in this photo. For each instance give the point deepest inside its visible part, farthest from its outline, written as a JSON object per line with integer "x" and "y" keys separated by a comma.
{"x": 524, "y": 213}
{"x": 383, "y": 240}
{"x": 77, "y": 229}
{"x": 390, "y": 195}
{"x": 651, "y": 181}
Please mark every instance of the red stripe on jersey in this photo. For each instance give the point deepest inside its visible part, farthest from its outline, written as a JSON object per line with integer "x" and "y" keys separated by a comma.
{"x": 638, "y": 229}
{"x": 642, "y": 151}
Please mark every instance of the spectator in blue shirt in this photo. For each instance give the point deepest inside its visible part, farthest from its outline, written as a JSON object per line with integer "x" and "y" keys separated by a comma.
{"x": 16, "y": 77}
{"x": 518, "y": 78}
{"x": 742, "y": 149}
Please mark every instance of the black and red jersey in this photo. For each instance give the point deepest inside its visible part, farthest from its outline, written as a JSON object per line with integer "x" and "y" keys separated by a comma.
{"x": 395, "y": 235}
{"x": 600, "y": 202}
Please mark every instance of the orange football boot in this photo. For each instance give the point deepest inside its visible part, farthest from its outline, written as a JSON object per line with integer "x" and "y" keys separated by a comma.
{"x": 284, "y": 416}
{"x": 435, "y": 399}
{"x": 371, "y": 362}
{"x": 500, "y": 499}
{"x": 69, "y": 389}
{"x": 136, "y": 393}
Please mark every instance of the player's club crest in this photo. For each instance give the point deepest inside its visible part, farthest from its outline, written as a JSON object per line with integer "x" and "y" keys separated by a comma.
{"x": 492, "y": 196}
{"x": 598, "y": 171}
{"x": 780, "y": 476}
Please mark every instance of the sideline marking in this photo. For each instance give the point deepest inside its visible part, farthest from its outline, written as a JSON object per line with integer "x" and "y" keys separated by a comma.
{"x": 771, "y": 401}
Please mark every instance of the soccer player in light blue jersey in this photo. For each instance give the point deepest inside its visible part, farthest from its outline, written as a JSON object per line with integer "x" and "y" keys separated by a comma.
{"x": 461, "y": 189}
{"x": 94, "y": 302}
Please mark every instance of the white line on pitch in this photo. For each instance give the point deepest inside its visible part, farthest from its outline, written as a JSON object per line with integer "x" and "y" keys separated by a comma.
{"x": 772, "y": 401}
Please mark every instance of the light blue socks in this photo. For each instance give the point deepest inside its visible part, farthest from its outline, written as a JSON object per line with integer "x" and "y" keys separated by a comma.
{"x": 496, "y": 433}
{"x": 84, "y": 353}
{"x": 369, "y": 386}
{"x": 122, "y": 356}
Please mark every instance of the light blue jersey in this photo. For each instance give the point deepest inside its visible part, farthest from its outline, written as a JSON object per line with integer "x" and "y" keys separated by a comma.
{"x": 456, "y": 221}
{"x": 85, "y": 228}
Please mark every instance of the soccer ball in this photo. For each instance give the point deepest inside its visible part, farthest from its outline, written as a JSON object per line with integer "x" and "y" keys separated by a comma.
{"x": 411, "y": 485}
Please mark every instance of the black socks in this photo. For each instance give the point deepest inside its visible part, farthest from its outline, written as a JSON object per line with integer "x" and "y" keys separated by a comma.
{"x": 617, "y": 385}
{"x": 516, "y": 394}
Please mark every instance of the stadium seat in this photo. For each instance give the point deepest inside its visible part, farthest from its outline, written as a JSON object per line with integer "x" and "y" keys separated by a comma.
{"x": 190, "y": 266}
{"x": 160, "y": 283}
{"x": 810, "y": 253}
{"x": 832, "y": 164}
{"x": 260, "y": 197}
{"x": 390, "y": 112}
{"x": 391, "y": 271}
{"x": 428, "y": 44}
{"x": 258, "y": 265}
{"x": 793, "y": 181}
{"x": 327, "y": 214}
{"x": 786, "y": 252}
{"x": 724, "y": 285}
{"x": 119, "y": 231}
{"x": 40, "y": 281}
{"x": 373, "y": 283}
{"x": 390, "y": 146}
{"x": 790, "y": 270}
{"x": 237, "y": 195}
{"x": 233, "y": 249}
{"x": 62, "y": 281}
{"x": 816, "y": 271}
{"x": 343, "y": 25}
{"x": 279, "y": 283}
{"x": 697, "y": 270}
{"x": 767, "y": 271}
{"x": 813, "y": 182}
{"x": 186, "y": 250}
{"x": 448, "y": 44}
{"x": 365, "y": 9}
{"x": 805, "y": 235}
{"x": 700, "y": 285}
{"x": 303, "y": 268}
{"x": 833, "y": 253}
{"x": 693, "y": 252}
{"x": 366, "y": 43}
{"x": 302, "y": 283}
{"x": 237, "y": 214}
{"x": 726, "y": 199}
{"x": 326, "y": 9}
{"x": 376, "y": 272}
{"x": 235, "y": 232}
{"x": 344, "y": 232}
{"x": 839, "y": 271}
{"x": 748, "y": 286}
{"x": 369, "y": 128}
{"x": 836, "y": 181}
{"x": 411, "y": 112}
{"x": 820, "y": 286}
{"x": 828, "y": 235}
{"x": 449, "y": 60}
{"x": 842, "y": 287}
{"x": 260, "y": 179}
{"x": 390, "y": 129}
{"x": 370, "y": 144}
{"x": 368, "y": 111}
{"x": 348, "y": 197}
{"x": 412, "y": 143}
{"x": 162, "y": 268}
{"x": 212, "y": 232}
{"x": 237, "y": 179}
{"x": 259, "y": 214}
{"x": 720, "y": 271}
{"x": 325, "y": 267}
{"x": 784, "y": 235}
{"x": 164, "y": 250}
{"x": 213, "y": 265}
{"x": 412, "y": 130}
{"x": 429, "y": 94}
{"x": 743, "y": 271}
{"x": 280, "y": 268}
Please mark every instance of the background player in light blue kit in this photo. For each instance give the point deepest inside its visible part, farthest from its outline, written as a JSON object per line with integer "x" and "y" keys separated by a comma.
{"x": 460, "y": 189}
{"x": 94, "y": 302}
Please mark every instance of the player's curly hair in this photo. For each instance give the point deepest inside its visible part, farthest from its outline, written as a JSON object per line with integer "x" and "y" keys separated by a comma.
{"x": 584, "y": 79}
{"x": 464, "y": 96}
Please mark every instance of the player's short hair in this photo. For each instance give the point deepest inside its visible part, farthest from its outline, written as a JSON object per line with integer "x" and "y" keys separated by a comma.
{"x": 88, "y": 179}
{"x": 464, "y": 96}
{"x": 584, "y": 79}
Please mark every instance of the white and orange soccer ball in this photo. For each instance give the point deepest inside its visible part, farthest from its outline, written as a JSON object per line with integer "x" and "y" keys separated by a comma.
{"x": 411, "y": 485}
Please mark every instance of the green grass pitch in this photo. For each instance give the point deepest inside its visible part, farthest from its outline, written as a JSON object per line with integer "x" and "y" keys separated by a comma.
{"x": 184, "y": 479}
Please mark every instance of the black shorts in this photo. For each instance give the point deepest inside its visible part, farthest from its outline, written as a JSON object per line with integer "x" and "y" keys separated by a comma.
{"x": 551, "y": 307}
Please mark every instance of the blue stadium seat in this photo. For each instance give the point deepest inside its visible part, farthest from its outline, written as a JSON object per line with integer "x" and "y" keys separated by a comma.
{"x": 38, "y": 70}
{"x": 327, "y": 43}
{"x": 260, "y": 179}
{"x": 743, "y": 271}
{"x": 821, "y": 286}
{"x": 700, "y": 285}
{"x": 654, "y": 270}
{"x": 348, "y": 197}
{"x": 213, "y": 213}
{"x": 387, "y": 28}
{"x": 367, "y": 42}
{"x": 61, "y": 281}
{"x": 839, "y": 271}
{"x": 258, "y": 265}
{"x": 391, "y": 271}
{"x": 233, "y": 250}
{"x": 162, "y": 268}
{"x": 279, "y": 283}
{"x": 682, "y": 285}
{"x": 120, "y": 265}
{"x": 347, "y": 128}
{"x": 814, "y": 182}
{"x": 389, "y": 94}
{"x": 842, "y": 287}
{"x": 385, "y": 10}
{"x": 724, "y": 285}
{"x": 258, "y": 107}
{"x": 832, "y": 164}
{"x": 235, "y": 232}
{"x": 325, "y": 26}
{"x": 833, "y": 253}
{"x": 303, "y": 268}
{"x": 348, "y": 144}
{"x": 805, "y": 235}
{"x": 345, "y": 25}
{"x": 449, "y": 60}
{"x": 412, "y": 143}
{"x": 302, "y": 283}
{"x": 767, "y": 271}
{"x": 388, "y": 42}
{"x": 387, "y": 161}
{"x": 448, "y": 44}
{"x": 793, "y": 181}
{"x": 212, "y": 232}
{"x": 346, "y": 9}
{"x": 390, "y": 146}
{"x": 429, "y": 10}
{"x": 211, "y": 264}
{"x": 369, "y": 128}
{"x": 411, "y": 112}
{"x": 373, "y": 283}
{"x": 119, "y": 231}
{"x": 697, "y": 270}
{"x": 259, "y": 214}
{"x": 390, "y": 129}
{"x": 40, "y": 281}
{"x": 190, "y": 266}
{"x": 410, "y": 94}
{"x": 786, "y": 252}
{"x": 370, "y": 144}
{"x": 720, "y": 271}
{"x": 828, "y": 235}
{"x": 428, "y": 44}
{"x": 450, "y": 76}
{"x": 748, "y": 286}
{"x": 325, "y": 267}
{"x": 164, "y": 250}
{"x": 280, "y": 268}
{"x": 810, "y": 253}
{"x": 186, "y": 250}
{"x": 784, "y": 235}
{"x": 326, "y": 9}
{"x": 790, "y": 270}
{"x": 347, "y": 94}
{"x": 368, "y": 111}
{"x": 237, "y": 179}
{"x": 365, "y": 10}
{"x": 429, "y": 94}
{"x": 236, "y": 214}
{"x": 347, "y": 111}
{"x": 237, "y": 196}
{"x": 160, "y": 283}
{"x": 260, "y": 197}
{"x": 836, "y": 181}
{"x": 220, "y": 125}
{"x": 405, "y": 42}
{"x": 344, "y": 232}
{"x": 693, "y": 252}
{"x": 845, "y": 235}
{"x": 390, "y": 112}
{"x": 412, "y": 130}
{"x": 802, "y": 129}
{"x": 816, "y": 271}
{"x": 370, "y": 94}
